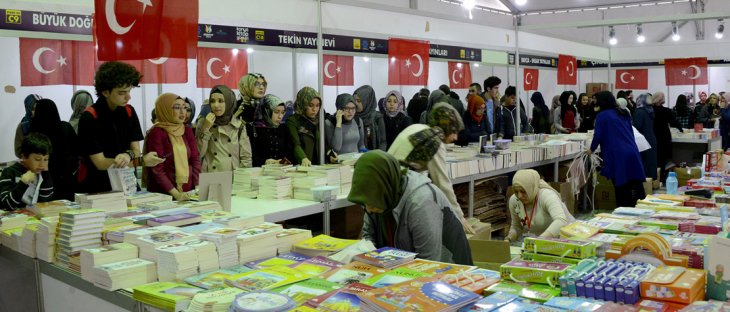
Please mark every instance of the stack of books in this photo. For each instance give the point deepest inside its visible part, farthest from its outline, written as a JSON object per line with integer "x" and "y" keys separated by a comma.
{"x": 213, "y": 301}
{"x": 28, "y": 239}
{"x": 386, "y": 257}
{"x": 302, "y": 184}
{"x": 288, "y": 237}
{"x": 267, "y": 278}
{"x": 262, "y": 301}
{"x": 422, "y": 294}
{"x": 148, "y": 243}
{"x": 45, "y": 243}
{"x": 78, "y": 229}
{"x": 94, "y": 257}
{"x": 216, "y": 279}
{"x": 258, "y": 242}
{"x": 239, "y": 222}
{"x": 322, "y": 245}
{"x": 206, "y": 253}
{"x": 225, "y": 241}
{"x": 109, "y": 202}
{"x": 132, "y": 235}
{"x": 275, "y": 188}
{"x": 288, "y": 259}
{"x": 116, "y": 235}
{"x": 145, "y": 197}
{"x": 244, "y": 182}
{"x": 165, "y": 295}
{"x": 201, "y": 227}
{"x": 180, "y": 219}
{"x": 11, "y": 238}
{"x": 176, "y": 262}
{"x": 158, "y": 205}
{"x": 203, "y": 205}
{"x": 125, "y": 274}
{"x": 12, "y": 221}
{"x": 276, "y": 170}
{"x": 331, "y": 174}
{"x": 52, "y": 208}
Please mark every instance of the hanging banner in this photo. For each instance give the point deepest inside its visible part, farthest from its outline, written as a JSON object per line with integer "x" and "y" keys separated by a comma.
{"x": 454, "y": 52}
{"x": 534, "y": 60}
{"x": 79, "y": 24}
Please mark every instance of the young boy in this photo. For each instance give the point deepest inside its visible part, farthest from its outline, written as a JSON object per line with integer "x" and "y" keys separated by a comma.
{"x": 28, "y": 181}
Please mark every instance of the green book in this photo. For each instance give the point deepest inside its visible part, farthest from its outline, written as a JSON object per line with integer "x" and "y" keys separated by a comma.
{"x": 165, "y": 295}
{"x": 308, "y": 289}
{"x": 217, "y": 278}
{"x": 396, "y": 276}
{"x": 267, "y": 278}
{"x": 535, "y": 292}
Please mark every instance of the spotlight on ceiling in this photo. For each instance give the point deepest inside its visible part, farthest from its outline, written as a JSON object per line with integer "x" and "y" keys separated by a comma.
{"x": 675, "y": 31}
{"x": 612, "y": 36}
{"x": 720, "y": 29}
{"x": 468, "y": 4}
{"x": 640, "y": 34}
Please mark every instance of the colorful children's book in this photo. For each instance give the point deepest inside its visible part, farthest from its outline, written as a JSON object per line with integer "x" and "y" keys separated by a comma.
{"x": 435, "y": 267}
{"x": 322, "y": 245}
{"x": 491, "y": 302}
{"x": 216, "y": 279}
{"x": 386, "y": 257}
{"x": 396, "y": 276}
{"x": 421, "y": 294}
{"x": 354, "y": 288}
{"x": 287, "y": 259}
{"x": 316, "y": 266}
{"x": 354, "y": 272}
{"x": 165, "y": 295}
{"x": 267, "y": 278}
{"x": 305, "y": 290}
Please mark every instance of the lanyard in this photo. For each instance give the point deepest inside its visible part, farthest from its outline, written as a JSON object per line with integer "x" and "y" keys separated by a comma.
{"x": 531, "y": 217}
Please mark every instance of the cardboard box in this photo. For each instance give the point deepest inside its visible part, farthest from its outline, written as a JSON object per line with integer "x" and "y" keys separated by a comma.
{"x": 605, "y": 194}
{"x": 674, "y": 284}
{"x": 649, "y": 186}
{"x": 595, "y": 87}
{"x": 566, "y": 194}
{"x": 489, "y": 254}
{"x": 686, "y": 174}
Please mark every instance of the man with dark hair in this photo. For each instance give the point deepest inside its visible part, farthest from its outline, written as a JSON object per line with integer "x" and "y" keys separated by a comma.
{"x": 491, "y": 97}
{"x": 109, "y": 130}
{"x": 28, "y": 181}
{"x": 453, "y": 99}
{"x": 507, "y": 116}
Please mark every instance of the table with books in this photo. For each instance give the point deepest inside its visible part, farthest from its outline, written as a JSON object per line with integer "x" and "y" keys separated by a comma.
{"x": 687, "y": 146}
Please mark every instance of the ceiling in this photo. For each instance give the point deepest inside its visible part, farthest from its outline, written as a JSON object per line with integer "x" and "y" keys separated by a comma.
{"x": 557, "y": 5}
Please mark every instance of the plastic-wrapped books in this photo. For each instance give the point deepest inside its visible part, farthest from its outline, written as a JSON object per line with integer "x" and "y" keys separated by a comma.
{"x": 244, "y": 182}
{"x": 125, "y": 274}
{"x": 258, "y": 242}
{"x": 276, "y": 188}
{"x": 225, "y": 240}
{"x": 46, "y": 239}
{"x": 176, "y": 262}
{"x": 94, "y": 257}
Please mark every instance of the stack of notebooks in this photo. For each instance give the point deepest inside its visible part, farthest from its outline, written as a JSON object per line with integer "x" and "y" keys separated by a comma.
{"x": 45, "y": 243}
{"x": 258, "y": 242}
{"x": 78, "y": 229}
{"x": 145, "y": 197}
{"x": 125, "y": 274}
{"x": 12, "y": 221}
{"x": 239, "y": 222}
{"x": 214, "y": 301}
{"x": 225, "y": 241}
{"x": 386, "y": 257}
{"x": 244, "y": 182}
{"x": 275, "y": 188}
{"x": 165, "y": 295}
{"x": 180, "y": 219}
{"x": 288, "y": 237}
{"x": 94, "y": 257}
{"x": 28, "y": 239}
{"x": 422, "y": 294}
{"x": 302, "y": 184}
{"x": 322, "y": 245}
{"x": 52, "y": 208}
{"x": 176, "y": 262}
{"x": 148, "y": 243}
{"x": 109, "y": 202}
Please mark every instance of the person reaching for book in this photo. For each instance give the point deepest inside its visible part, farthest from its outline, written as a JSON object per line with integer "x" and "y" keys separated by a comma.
{"x": 406, "y": 211}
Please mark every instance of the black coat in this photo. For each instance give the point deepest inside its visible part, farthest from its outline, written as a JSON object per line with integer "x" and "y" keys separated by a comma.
{"x": 416, "y": 106}
{"x": 394, "y": 125}
{"x": 663, "y": 119}
{"x": 472, "y": 129}
{"x": 270, "y": 143}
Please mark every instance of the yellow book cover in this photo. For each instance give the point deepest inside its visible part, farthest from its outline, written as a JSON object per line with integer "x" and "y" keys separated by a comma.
{"x": 325, "y": 243}
{"x": 352, "y": 272}
{"x": 578, "y": 230}
{"x": 266, "y": 278}
{"x": 435, "y": 267}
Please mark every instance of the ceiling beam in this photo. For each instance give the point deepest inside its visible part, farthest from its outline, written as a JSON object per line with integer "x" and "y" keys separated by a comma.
{"x": 510, "y": 6}
{"x": 629, "y": 21}
{"x": 593, "y": 7}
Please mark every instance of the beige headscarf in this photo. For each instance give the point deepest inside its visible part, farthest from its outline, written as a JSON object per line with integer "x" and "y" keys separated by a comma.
{"x": 531, "y": 182}
{"x": 166, "y": 120}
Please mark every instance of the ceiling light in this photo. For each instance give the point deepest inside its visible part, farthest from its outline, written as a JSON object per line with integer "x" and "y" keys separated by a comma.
{"x": 640, "y": 34}
{"x": 249, "y": 50}
{"x": 520, "y": 2}
{"x": 468, "y": 4}
{"x": 612, "y": 36}
{"x": 720, "y": 29}
{"x": 675, "y": 31}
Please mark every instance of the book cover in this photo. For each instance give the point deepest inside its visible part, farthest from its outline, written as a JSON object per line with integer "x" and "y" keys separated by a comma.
{"x": 491, "y": 302}
{"x": 339, "y": 302}
{"x": 325, "y": 243}
{"x": 385, "y": 257}
{"x": 305, "y": 290}
{"x": 316, "y": 266}
{"x": 396, "y": 276}
{"x": 216, "y": 279}
{"x": 422, "y": 294}
{"x": 353, "y": 272}
{"x": 435, "y": 267}
{"x": 267, "y": 278}
{"x": 354, "y": 288}
{"x": 164, "y": 291}
{"x": 176, "y": 218}
{"x": 287, "y": 259}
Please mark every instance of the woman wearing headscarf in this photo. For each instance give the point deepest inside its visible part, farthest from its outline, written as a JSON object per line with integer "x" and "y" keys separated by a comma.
{"x": 189, "y": 112}
{"x": 418, "y": 104}
{"x": 555, "y": 117}
{"x": 663, "y": 119}
{"x": 24, "y": 126}
{"x": 269, "y": 139}
{"x": 79, "y": 102}
{"x": 437, "y": 96}
{"x": 587, "y": 113}
{"x": 540, "y": 114}
{"x": 395, "y": 117}
{"x": 172, "y": 139}
{"x": 422, "y": 148}
{"x": 373, "y": 121}
{"x": 406, "y": 211}
{"x": 621, "y": 160}
{"x": 535, "y": 207}
{"x": 725, "y": 121}
{"x": 346, "y": 135}
{"x": 221, "y": 135}
{"x": 252, "y": 88}
{"x": 644, "y": 123}
{"x": 682, "y": 112}
{"x": 567, "y": 112}
{"x": 304, "y": 127}
{"x": 64, "y": 159}
{"x": 475, "y": 124}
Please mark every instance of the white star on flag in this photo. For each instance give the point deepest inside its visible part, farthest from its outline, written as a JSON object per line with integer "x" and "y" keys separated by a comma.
{"x": 684, "y": 73}
{"x": 339, "y": 69}
{"x": 61, "y": 60}
{"x": 145, "y": 3}
{"x": 226, "y": 68}
{"x": 632, "y": 78}
{"x": 408, "y": 63}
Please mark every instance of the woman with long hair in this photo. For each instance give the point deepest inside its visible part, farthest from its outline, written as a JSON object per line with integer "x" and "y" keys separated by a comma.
{"x": 682, "y": 112}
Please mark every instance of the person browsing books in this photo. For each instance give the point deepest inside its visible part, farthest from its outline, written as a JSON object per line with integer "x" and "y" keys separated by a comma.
{"x": 221, "y": 135}
{"x": 171, "y": 138}
{"x": 535, "y": 207}
{"x": 28, "y": 181}
{"x": 406, "y": 211}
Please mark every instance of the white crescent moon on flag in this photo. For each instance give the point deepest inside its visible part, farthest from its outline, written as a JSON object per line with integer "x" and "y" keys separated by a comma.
{"x": 453, "y": 78}
{"x": 698, "y": 72}
{"x": 527, "y": 79}
{"x": 621, "y": 77}
{"x": 326, "y": 69}
{"x": 209, "y": 65}
{"x": 572, "y": 68}
{"x": 158, "y": 61}
{"x": 37, "y": 62}
{"x": 111, "y": 19}
{"x": 420, "y": 66}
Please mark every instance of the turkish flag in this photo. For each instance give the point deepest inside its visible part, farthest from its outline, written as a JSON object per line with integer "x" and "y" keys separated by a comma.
{"x": 530, "y": 79}
{"x": 337, "y": 70}
{"x": 408, "y": 62}
{"x": 221, "y": 67}
{"x": 164, "y": 70}
{"x": 632, "y": 79}
{"x": 459, "y": 75}
{"x": 686, "y": 71}
{"x": 567, "y": 70}
{"x": 145, "y": 29}
{"x": 56, "y": 62}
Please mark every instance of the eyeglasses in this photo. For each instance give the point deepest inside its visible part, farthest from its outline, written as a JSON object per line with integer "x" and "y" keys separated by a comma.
{"x": 260, "y": 84}
{"x": 348, "y": 109}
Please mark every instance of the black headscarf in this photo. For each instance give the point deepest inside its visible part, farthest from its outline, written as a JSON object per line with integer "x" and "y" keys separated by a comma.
{"x": 564, "y": 105}
{"x": 230, "y": 99}
{"x": 340, "y": 103}
{"x": 606, "y": 101}
{"x": 539, "y": 101}
{"x": 369, "y": 103}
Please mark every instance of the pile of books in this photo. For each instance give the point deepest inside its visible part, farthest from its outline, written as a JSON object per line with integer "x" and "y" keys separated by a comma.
{"x": 275, "y": 188}
{"x": 78, "y": 229}
{"x": 225, "y": 241}
{"x": 276, "y": 170}
{"x": 145, "y": 197}
{"x": 203, "y": 205}
{"x": 109, "y": 202}
{"x": 28, "y": 239}
{"x": 213, "y": 301}
{"x": 94, "y": 257}
{"x": 12, "y": 221}
{"x": 45, "y": 243}
{"x": 165, "y": 295}
{"x": 322, "y": 245}
{"x": 422, "y": 294}
{"x": 52, "y": 208}
{"x": 217, "y": 279}
{"x": 288, "y": 237}
{"x": 124, "y": 274}
{"x": 258, "y": 242}
{"x": 180, "y": 219}
{"x": 302, "y": 184}
{"x": 244, "y": 182}
{"x": 386, "y": 257}
{"x": 148, "y": 243}
{"x": 176, "y": 262}
{"x": 206, "y": 253}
